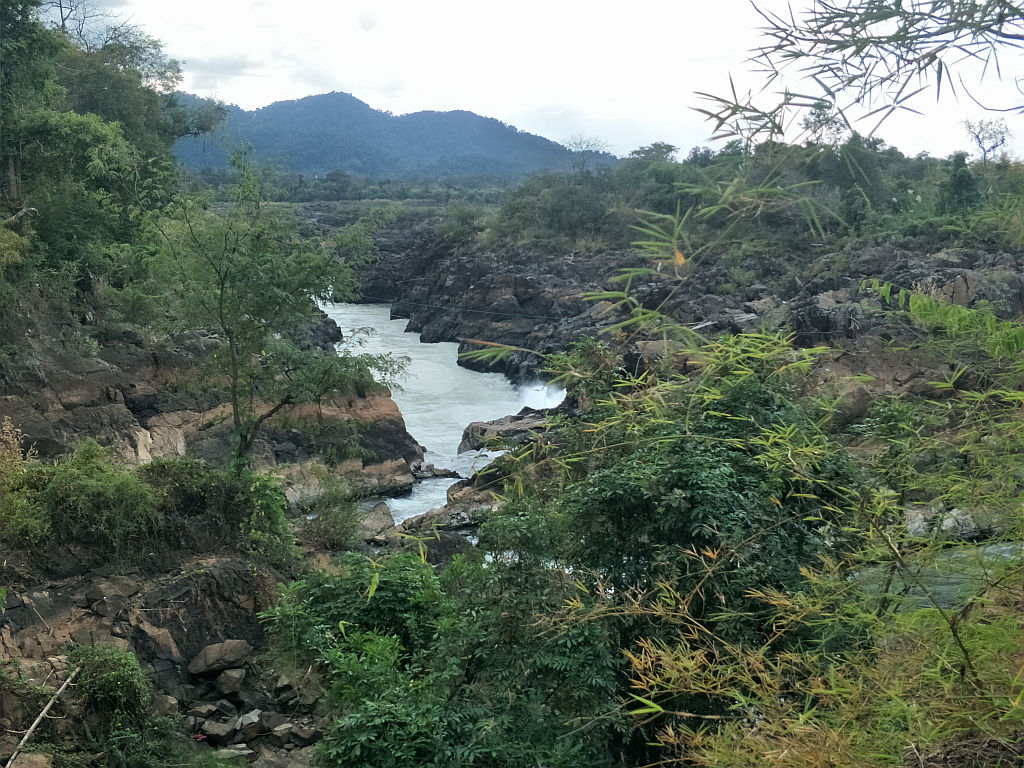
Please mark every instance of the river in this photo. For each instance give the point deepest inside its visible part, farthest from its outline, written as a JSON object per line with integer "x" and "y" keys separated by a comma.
{"x": 438, "y": 398}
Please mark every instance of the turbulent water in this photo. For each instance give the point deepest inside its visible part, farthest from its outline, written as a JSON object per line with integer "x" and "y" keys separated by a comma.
{"x": 437, "y": 399}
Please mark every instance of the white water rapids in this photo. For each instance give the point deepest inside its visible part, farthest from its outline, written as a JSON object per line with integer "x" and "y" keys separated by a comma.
{"x": 438, "y": 398}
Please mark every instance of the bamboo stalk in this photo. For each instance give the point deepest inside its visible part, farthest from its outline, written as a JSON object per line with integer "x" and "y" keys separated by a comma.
{"x": 39, "y": 719}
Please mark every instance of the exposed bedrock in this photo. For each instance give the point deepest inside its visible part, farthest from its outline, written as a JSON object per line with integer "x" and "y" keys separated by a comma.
{"x": 455, "y": 291}
{"x": 143, "y": 400}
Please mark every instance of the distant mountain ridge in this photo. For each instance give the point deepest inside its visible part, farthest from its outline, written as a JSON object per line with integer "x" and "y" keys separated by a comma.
{"x": 337, "y": 131}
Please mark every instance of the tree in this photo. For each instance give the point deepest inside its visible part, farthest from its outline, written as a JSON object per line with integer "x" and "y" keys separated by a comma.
{"x": 27, "y": 85}
{"x": 659, "y": 151}
{"x": 583, "y": 148}
{"x": 959, "y": 192}
{"x": 822, "y": 125}
{"x": 988, "y": 135}
{"x": 247, "y": 276}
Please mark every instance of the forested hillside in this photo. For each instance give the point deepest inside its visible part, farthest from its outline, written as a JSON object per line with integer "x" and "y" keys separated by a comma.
{"x": 338, "y": 132}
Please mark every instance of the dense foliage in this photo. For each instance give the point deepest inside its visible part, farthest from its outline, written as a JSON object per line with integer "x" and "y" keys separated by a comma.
{"x": 699, "y": 565}
{"x": 110, "y": 514}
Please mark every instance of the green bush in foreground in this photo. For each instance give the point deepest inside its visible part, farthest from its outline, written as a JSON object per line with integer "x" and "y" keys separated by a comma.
{"x": 122, "y": 515}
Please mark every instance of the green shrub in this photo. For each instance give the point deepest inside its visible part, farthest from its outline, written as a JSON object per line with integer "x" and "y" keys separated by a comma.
{"x": 332, "y": 520}
{"x": 115, "y": 690}
{"x": 112, "y": 684}
{"x": 266, "y": 527}
{"x": 90, "y": 501}
{"x": 22, "y": 522}
{"x": 404, "y": 594}
{"x": 207, "y": 504}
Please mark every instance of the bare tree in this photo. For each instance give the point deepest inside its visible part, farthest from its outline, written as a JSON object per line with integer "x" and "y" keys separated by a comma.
{"x": 988, "y": 135}
{"x": 77, "y": 19}
{"x": 581, "y": 146}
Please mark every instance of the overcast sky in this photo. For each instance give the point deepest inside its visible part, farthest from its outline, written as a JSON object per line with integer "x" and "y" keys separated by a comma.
{"x": 625, "y": 72}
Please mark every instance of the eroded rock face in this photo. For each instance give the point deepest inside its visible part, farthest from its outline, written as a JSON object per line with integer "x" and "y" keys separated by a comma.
{"x": 451, "y": 292}
{"x": 512, "y": 296}
{"x": 141, "y": 400}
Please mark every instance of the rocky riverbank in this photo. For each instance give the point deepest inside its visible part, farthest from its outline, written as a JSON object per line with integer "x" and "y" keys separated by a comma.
{"x": 455, "y": 290}
{"x": 64, "y": 381}
{"x": 196, "y": 634}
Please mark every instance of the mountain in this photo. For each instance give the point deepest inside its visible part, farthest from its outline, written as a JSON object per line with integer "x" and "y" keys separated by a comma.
{"x": 337, "y": 131}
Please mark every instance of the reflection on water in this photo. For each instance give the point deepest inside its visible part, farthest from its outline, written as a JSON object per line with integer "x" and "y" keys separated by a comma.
{"x": 438, "y": 398}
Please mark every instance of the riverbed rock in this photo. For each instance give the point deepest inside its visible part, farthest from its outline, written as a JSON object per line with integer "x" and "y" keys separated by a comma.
{"x": 509, "y": 430}
{"x": 422, "y": 471}
{"x": 376, "y": 520}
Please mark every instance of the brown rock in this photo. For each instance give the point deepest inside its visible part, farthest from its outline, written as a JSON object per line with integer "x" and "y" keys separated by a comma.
{"x": 229, "y": 681}
{"x": 376, "y": 520}
{"x": 217, "y": 734}
{"x": 230, "y": 653}
{"x": 165, "y": 705}
{"x": 282, "y": 734}
{"x": 32, "y": 760}
{"x": 157, "y": 641}
{"x": 235, "y": 753}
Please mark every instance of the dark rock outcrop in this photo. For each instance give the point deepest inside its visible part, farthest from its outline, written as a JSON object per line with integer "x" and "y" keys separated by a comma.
{"x": 510, "y": 430}
{"x": 455, "y": 292}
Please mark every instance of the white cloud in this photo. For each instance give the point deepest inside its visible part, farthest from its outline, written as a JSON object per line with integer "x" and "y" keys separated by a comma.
{"x": 626, "y": 72}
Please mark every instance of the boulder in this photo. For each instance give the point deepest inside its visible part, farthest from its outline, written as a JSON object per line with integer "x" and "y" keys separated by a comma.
{"x": 32, "y": 760}
{"x": 281, "y": 735}
{"x": 229, "y": 681}
{"x": 154, "y": 642}
{"x": 250, "y": 725}
{"x": 515, "y": 430}
{"x": 165, "y": 705}
{"x": 217, "y": 656}
{"x": 376, "y": 519}
{"x": 217, "y": 734}
{"x": 238, "y": 752}
{"x": 303, "y": 737}
{"x": 423, "y": 471}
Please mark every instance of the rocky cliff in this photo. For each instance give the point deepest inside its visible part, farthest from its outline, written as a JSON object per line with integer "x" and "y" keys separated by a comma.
{"x": 457, "y": 290}
{"x": 452, "y": 290}
{"x": 64, "y": 379}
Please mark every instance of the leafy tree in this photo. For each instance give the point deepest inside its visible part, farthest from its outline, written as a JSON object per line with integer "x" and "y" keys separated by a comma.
{"x": 27, "y": 84}
{"x": 86, "y": 122}
{"x": 659, "y": 150}
{"x": 822, "y": 125}
{"x": 246, "y": 275}
{"x": 959, "y": 192}
{"x": 119, "y": 72}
